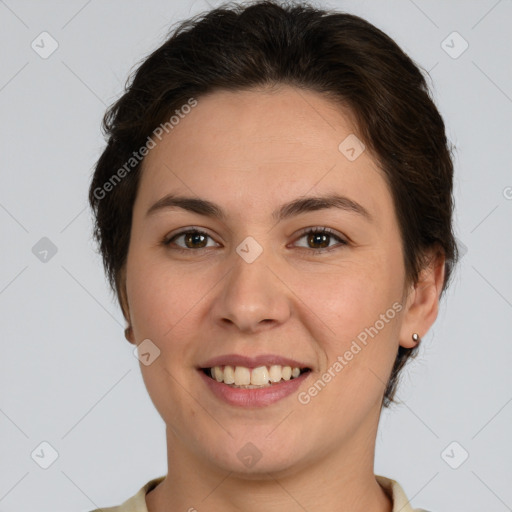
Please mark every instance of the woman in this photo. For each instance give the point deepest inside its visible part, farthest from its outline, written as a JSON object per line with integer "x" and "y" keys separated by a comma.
{"x": 274, "y": 211}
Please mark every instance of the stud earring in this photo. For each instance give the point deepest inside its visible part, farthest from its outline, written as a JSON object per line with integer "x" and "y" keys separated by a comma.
{"x": 416, "y": 338}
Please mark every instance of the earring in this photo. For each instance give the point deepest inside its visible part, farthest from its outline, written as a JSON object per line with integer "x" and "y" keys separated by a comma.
{"x": 416, "y": 338}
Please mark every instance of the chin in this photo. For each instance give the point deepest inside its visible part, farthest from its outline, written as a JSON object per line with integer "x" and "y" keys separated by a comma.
{"x": 255, "y": 457}
{"x": 266, "y": 468}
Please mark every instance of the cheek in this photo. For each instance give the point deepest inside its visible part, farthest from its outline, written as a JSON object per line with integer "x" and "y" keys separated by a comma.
{"x": 346, "y": 300}
{"x": 356, "y": 324}
{"x": 158, "y": 298}
{"x": 160, "y": 306}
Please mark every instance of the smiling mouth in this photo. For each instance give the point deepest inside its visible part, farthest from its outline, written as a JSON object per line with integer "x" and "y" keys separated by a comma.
{"x": 252, "y": 378}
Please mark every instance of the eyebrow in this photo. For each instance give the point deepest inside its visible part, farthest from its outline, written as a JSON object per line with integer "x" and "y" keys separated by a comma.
{"x": 287, "y": 210}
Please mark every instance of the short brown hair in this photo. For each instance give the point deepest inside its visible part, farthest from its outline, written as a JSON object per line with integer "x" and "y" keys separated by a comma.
{"x": 266, "y": 43}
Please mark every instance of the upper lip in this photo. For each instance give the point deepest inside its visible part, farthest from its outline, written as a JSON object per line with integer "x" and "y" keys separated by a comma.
{"x": 252, "y": 362}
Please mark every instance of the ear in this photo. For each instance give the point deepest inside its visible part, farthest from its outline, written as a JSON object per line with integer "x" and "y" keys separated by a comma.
{"x": 123, "y": 302}
{"x": 422, "y": 299}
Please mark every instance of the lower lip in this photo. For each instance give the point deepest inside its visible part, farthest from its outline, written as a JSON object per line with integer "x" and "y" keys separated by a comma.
{"x": 256, "y": 397}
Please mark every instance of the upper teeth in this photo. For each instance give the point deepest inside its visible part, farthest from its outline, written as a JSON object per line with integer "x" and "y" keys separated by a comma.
{"x": 260, "y": 376}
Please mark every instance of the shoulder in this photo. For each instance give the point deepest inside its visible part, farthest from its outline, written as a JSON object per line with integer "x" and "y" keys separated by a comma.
{"x": 394, "y": 490}
{"x": 137, "y": 502}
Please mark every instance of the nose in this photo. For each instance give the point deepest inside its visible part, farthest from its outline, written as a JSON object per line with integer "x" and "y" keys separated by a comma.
{"x": 253, "y": 297}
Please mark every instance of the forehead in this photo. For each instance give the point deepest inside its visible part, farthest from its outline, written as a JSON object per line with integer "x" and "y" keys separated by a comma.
{"x": 284, "y": 122}
{"x": 261, "y": 144}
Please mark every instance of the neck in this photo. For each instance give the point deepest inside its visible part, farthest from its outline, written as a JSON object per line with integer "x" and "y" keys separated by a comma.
{"x": 341, "y": 481}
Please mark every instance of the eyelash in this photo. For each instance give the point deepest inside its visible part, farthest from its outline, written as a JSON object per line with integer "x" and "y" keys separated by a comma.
{"x": 307, "y": 231}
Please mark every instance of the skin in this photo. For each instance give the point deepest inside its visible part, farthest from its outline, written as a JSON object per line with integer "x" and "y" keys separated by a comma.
{"x": 250, "y": 152}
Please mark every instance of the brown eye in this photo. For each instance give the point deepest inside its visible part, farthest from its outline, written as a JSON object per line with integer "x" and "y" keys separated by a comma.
{"x": 192, "y": 239}
{"x": 320, "y": 238}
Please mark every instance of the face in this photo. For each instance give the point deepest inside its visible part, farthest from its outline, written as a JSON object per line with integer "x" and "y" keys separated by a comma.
{"x": 319, "y": 287}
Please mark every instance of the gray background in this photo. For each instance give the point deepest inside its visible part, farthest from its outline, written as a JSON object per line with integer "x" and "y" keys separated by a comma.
{"x": 68, "y": 377}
